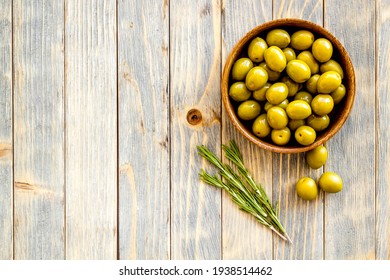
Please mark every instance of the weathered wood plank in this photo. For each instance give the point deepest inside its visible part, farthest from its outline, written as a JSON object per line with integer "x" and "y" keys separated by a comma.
{"x": 350, "y": 215}
{"x": 38, "y": 129}
{"x": 6, "y": 202}
{"x": 383, "y": 112}
{"x": 144, "y": 181}
{"x": 303, "y": 220}
{"x": 311, "y": 10}
{"x": 195, "y": 61}
{"x": 91, "y": 129}
{"x": 243, "y": 237}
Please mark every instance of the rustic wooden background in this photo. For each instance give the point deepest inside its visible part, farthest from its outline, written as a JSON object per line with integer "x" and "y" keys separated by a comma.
{"x": 98, "y": 161}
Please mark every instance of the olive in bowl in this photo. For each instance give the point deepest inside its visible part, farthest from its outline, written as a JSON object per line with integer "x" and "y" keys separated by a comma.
{"x": 302, "y": 78}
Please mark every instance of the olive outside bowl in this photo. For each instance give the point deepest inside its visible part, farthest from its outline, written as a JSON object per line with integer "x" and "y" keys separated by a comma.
{"x": 341, "y": 111}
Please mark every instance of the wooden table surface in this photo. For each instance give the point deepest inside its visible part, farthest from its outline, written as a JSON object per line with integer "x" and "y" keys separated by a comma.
{"x": 98, "y": 161}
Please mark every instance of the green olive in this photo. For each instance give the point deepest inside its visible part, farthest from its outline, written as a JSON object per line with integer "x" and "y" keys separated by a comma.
{"x": 277, "y": 93}
{"x": 256, "y": 49}
{"x": 328, "y": 82}
{"x": 311, "y": 84}
{"x": 302, "y": 40}
{"x": 239, "y": 92}
{"x": 322, "y": 49}
{"x": 278, "y": 37}
{"x": 267, "y": 105}
{"x": 318, "y": 123}
{"x": 298, "y": 110}
{"x": 261, "y": 127}
{"x": 308, "y": 57}
{"x": 259, "y": 94}
{"x": 275, "y": 58}
{"x": 277, "y": 117}
{"x": 256, "y": 78}
{"x": 306, "y": 188}
{"x": 294, "y": 124}
{"x": 273, "y": 76}
{"x": 281, "y": 136}
{"x": 298, "y": 70}
{"x": 240, "y": 68}
{"x": 322, "y": 104}
{"x": 283, "y": 104}
{"x": 332, "y": 65}
{"x": 338, "y": 94}
{"x": 293, "y": 87}
{"x": 304, "y": 95}
{"x": 248, "y": 110}
{"x": 330, "y": 182}
{"x": 317, "y": 157}
{"x": 305, "y": 135}
{"x": 289, "y": 53}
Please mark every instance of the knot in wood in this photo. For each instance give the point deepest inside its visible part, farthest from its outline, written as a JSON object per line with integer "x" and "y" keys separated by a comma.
{"x": 194, "y": 117}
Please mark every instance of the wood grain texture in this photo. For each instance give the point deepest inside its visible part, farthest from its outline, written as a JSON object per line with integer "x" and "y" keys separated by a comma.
{"x": 243, "y": 237}
{"x": 311, "y": 10}
{"x": 91, "y": 130}
{"x": 383, "y": 108}
{"x": 350, "y": 215}
{"x": 144, "y": 181}
{"x": 6, "y": 179}
{"x": 195, "y": 61}
{"x": 38, "y": 129}
{"x": 303, "y": 220}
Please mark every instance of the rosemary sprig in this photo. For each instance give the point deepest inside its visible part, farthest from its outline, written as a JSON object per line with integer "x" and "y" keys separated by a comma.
{"x": 245, "y": 192}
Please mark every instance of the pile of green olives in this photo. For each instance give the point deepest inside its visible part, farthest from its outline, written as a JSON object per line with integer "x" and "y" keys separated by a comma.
{"x": 287, "y": 83}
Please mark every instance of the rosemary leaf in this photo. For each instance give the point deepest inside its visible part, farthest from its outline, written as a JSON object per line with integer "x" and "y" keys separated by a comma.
{"x": 245, "y": 192}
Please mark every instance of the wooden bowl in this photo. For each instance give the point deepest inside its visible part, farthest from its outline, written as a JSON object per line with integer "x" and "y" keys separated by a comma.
{"x": 339, "y": 114}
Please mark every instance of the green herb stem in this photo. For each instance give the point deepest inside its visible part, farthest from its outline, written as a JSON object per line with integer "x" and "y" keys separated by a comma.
{"x": 246, "y": 193}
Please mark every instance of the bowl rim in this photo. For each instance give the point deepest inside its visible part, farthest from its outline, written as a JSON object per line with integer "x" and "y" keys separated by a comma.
{"x": 346, "y": 64}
